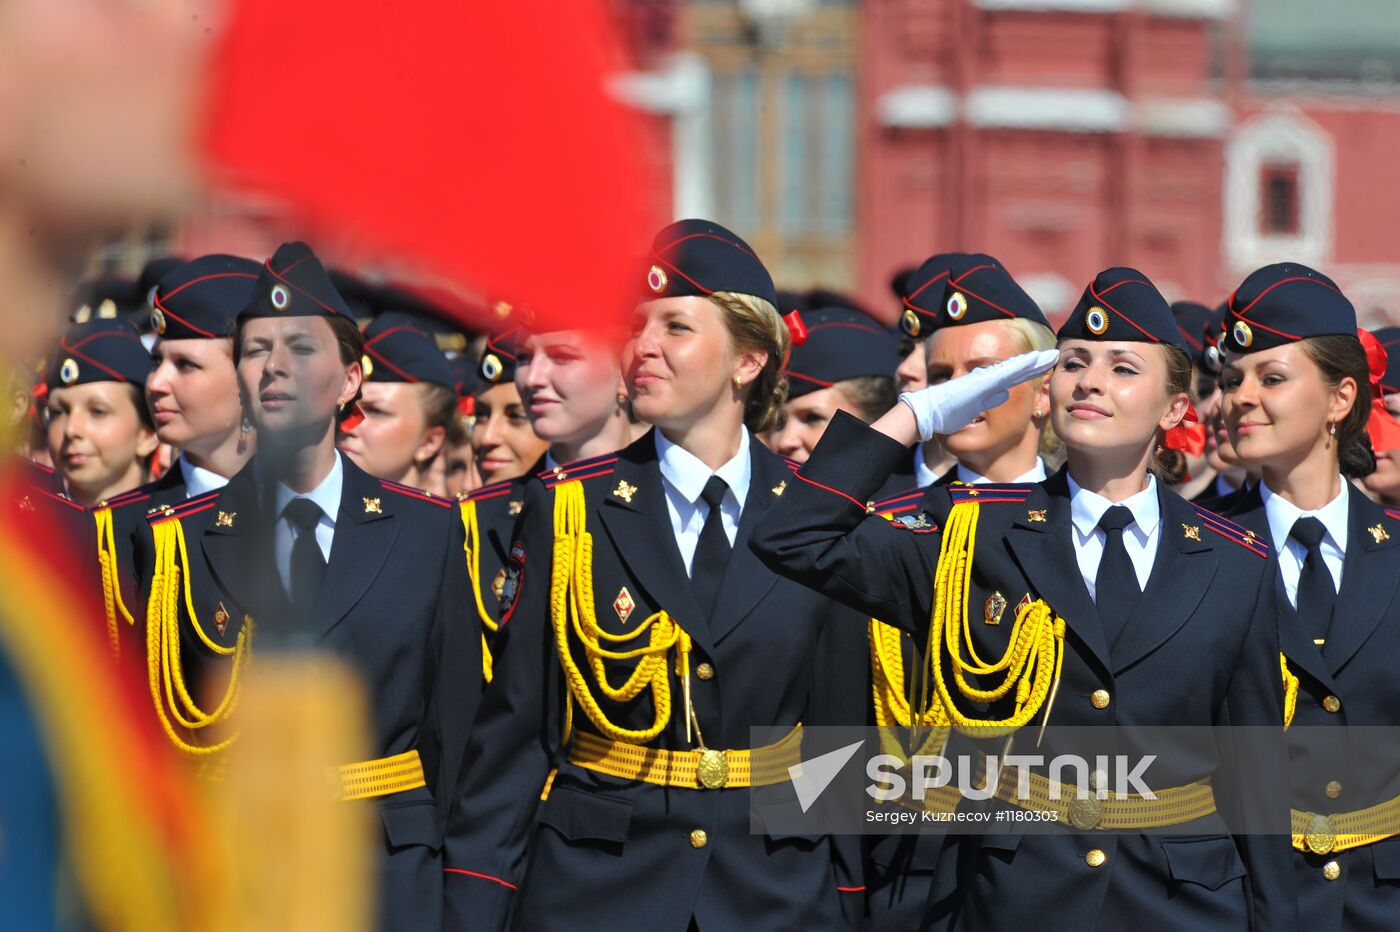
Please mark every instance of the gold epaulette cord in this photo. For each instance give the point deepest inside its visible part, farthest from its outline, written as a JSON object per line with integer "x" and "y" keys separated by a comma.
{"x": 111, "y": 585}
{"x": 472, "y": 547}
{"x": 1032, "y": 663}
{"x": 170, "y": 585}
{"x": 571, "y": 607}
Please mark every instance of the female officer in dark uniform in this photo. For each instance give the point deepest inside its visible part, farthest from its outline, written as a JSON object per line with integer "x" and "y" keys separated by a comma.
{"x": 994, "y": 320}
{"x": 192, "y": 391}
{"x": 307, "y": 549}
{"x": 571, "y": 389}
{"x": 1296, "y": 402}
{"x": 642, "y": 640}
{"x": 1141, "y": 610}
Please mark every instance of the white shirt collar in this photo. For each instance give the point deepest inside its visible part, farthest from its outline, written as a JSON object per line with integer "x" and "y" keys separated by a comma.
{"x": 199, "y": 480}
{"x": 326, "y": 495}
{"x": 1283, "y": 513}
{"x": 923, "y": 475}
{"x": 688, "y": 475}
{"x": 1086, "y": 508}
{"x": 1037, "y": 474}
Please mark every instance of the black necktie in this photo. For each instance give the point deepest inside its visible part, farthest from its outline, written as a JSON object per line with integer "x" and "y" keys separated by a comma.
{"x": 308, "y": 566}
{"x": 712, "y": 553}
{"x": 1317, "y": 594}
{"x": 1116, "y": 591}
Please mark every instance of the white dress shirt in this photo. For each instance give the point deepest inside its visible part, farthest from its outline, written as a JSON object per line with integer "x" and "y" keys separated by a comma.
{"x": 1292, "y": 554}
{"x": 199, "y": 480}
{"x": 1037, "y": 474}
{"x": 1139, "y": 539}
{"x": 923, "y": 476}
{"x": 327, "y": 496}
{"x": 684, "y": 476}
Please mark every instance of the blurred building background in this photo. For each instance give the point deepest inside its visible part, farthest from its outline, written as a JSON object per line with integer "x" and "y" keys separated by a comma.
{"x": 1194, "y": 139}
{"x": 846, "y": 139}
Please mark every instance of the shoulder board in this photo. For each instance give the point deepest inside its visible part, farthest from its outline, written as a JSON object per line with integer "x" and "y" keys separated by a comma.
{"x": 595, "y": 468}
{"x": 142, "y": 494}
{"x": 896, "y": 504}
{"x": 578, "y": 467}
{"x": 1232, "y": 531}
{"x": 55, "y": 497}
{"x": 190, "y": 506}
{"x": 411, "y": 492}
{"x": 986, "y": 494}
{"x": 494, "y": 490}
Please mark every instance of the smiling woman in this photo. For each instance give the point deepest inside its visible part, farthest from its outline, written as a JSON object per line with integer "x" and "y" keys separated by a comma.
{"x": 99, "y": 430}
{"x": 634, "y": 567}
{"x": 1096, "y": 560}
{"x": 1297, "y": 397}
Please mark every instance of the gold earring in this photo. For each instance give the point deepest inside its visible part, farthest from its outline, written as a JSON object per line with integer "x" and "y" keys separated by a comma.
{"x": 738, "y": 382}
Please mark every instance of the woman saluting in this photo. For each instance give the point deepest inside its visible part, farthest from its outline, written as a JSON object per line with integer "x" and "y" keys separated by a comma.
{"x": 308, "y": 549}
{"x": 606, "y": 783}
{"x": 1297, "y": 398}
{"x": 1141, "y": 609}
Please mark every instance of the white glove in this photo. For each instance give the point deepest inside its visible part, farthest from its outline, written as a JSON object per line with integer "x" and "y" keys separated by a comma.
{"x": 951, "y": 406}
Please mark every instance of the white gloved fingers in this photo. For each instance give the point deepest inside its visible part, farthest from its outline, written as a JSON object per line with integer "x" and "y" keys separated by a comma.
{"x": 950, "y": 406}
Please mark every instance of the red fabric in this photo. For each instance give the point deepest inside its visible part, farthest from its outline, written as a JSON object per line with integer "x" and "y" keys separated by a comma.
{"x": 1381, "y": 425}
{"x": 479, "y": 142}
{"x": 797, "y": 328}
{"x": 1189, "y": 436}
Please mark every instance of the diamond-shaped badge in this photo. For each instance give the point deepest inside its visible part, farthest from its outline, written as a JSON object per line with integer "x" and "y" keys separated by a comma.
{"x": 624, "y": 605}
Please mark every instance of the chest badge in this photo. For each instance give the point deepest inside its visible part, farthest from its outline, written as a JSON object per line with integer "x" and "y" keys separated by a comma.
{"x": 1192, "y": 531}
{"x": 993, "y": 609}
{"x": 1378, "y": 533}
{"x": 225, "y": 518}
{"x": 373, "y": 506}
{"x": 221, "y": 619}
{"x": 498, "y": 585}
{"x": 625, "y": 490}
{"x": 624, "y": 605}
{"x": 1036, "y": 515}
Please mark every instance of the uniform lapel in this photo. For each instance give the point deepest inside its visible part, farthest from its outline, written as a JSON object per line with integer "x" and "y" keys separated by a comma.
{"x": 364, "y": 536}
{"x": 238, "y": 547}
{"x": 1183, "y": 553}
{"x": 639, "y": 526}
{"x": 746, "y": 579}
{"x": 1042, "y": 539}
{"x": 1368, "y": 581}
{"x": 1294, "y": 640}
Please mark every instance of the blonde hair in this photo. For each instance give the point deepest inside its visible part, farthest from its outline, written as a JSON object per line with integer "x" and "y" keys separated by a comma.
{"x": 1033, "y": 337}
{"x": 754, "y": 323}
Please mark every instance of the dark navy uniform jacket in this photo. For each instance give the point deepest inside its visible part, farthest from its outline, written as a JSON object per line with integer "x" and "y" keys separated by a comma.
{"x": 393, "y": 605}
{"x": 1201, "y": 649}
{"x": 601, "y": 852}
{"x": 1356, "y": 666}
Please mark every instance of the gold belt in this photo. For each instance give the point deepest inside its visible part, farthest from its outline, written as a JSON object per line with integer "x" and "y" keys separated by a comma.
{"x": 1172, "y": 806}
{"x": 381, "y": 777}
{"x": 1323, "y": 834}
{"x": 699, "y": 768}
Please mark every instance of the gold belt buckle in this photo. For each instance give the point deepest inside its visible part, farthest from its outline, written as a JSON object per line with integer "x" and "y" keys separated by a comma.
{"x": 1320, "y": 837}
{"x": 1085, "y": 814}
{"x": 713, "y": 769}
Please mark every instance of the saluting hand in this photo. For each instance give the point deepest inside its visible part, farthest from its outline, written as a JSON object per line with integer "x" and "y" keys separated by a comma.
{"x": 952, "y": 405}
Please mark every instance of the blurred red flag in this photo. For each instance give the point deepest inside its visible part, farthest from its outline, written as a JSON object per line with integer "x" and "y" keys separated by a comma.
{"x": 476, "y": 140}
